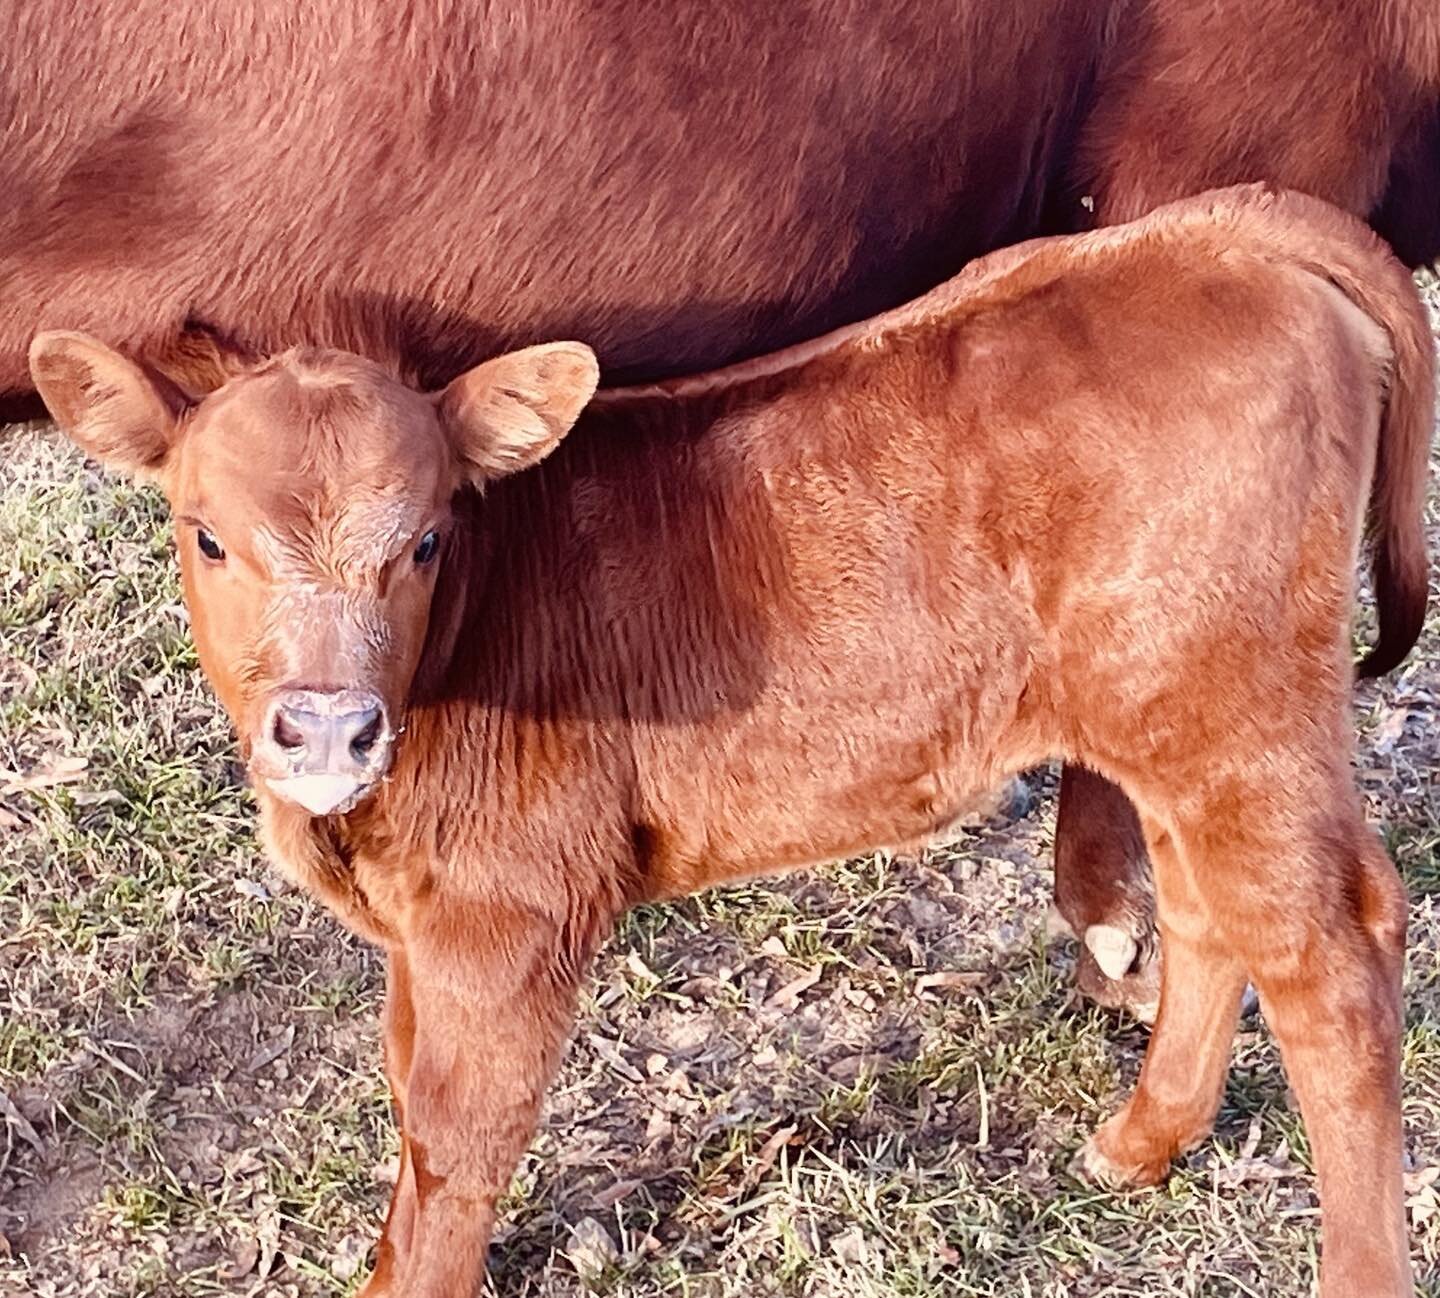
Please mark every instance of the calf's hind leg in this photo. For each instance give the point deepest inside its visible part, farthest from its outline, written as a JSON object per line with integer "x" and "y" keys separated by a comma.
{"x": 1183, "y": 1077}
{"x": 1301, "y": 897}
{"x": 1103, "y": 892}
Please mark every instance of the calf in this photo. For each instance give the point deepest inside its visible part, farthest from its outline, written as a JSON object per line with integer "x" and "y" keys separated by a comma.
{"x": 1099, "y": 497}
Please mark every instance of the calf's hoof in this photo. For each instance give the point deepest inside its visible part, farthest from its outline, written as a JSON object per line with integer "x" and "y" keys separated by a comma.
{"x": 1119, "y": 971}
{"x": 1112, "y": 1158}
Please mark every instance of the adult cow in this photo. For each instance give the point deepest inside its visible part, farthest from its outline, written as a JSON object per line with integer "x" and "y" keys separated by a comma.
{"x": 681, "y": 184}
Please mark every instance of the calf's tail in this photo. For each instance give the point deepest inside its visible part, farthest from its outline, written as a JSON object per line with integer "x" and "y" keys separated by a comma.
{"x": 1384, "y": 290}
{"x": 1362, "y": 267}
{"x": 1283, "y": 225}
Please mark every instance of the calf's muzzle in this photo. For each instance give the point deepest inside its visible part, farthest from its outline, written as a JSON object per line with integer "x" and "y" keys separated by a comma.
{"x": 324, "y": 750}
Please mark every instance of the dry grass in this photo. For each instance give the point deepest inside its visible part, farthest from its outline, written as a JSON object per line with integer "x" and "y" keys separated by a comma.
{"x": 769, "y": 1091}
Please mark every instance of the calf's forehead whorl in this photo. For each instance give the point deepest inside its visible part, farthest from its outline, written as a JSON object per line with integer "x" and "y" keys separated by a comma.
{"x": 324, "y": 415}
{"x": 307, "y": 399}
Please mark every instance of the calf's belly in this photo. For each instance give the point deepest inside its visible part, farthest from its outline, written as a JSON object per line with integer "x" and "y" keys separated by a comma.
{"x": 802, "y": 784}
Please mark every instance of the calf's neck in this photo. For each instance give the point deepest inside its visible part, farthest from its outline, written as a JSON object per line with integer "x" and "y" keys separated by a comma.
{"x": 1098, "y": 497}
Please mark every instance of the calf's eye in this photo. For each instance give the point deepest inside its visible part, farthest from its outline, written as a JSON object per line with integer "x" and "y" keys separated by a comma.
{"x": 209, "y": 546}
{"x": 427, "y": 549}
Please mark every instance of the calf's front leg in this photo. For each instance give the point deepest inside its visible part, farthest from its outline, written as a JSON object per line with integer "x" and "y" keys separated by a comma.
{"x": 476, "y": 1018}
{"x": 399, "y": 1028}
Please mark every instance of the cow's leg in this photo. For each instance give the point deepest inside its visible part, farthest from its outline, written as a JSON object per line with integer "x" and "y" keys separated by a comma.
{"x": 1292, "y": 887}
{"x": 491, "y": 1000}
{"x": 1103, "y": 891}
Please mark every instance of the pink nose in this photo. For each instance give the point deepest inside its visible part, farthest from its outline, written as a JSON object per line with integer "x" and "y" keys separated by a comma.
{"x": 341, "y": 733}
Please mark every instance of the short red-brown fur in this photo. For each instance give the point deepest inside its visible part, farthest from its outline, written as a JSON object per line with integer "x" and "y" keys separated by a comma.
{"x": 430, "y": 182}
{"x": 436, "y": 180}
{"x": 433, "y": 181}
{"x": 1099, "y": 497}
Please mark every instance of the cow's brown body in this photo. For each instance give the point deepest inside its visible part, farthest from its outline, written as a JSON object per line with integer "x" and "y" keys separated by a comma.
{"x": 680, "y": 186}
{"x": 429, "y": 183}
{"x": 1099, "y": 497}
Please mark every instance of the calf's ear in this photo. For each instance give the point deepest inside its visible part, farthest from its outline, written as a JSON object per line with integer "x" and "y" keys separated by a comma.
{"x": 511, "y": 412}
{"x": 116, "y": 411}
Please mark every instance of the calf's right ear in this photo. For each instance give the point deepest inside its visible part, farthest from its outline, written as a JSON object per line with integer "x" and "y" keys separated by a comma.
{"x": 116, "y": 411}
{"x": 511, "y": 412}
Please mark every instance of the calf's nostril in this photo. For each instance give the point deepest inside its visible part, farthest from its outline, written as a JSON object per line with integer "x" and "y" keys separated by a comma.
{"x": 286, "y": 735}
{"x": 365, "y": 739}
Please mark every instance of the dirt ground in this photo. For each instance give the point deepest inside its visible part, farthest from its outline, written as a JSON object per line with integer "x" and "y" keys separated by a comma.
{"x": 868, "y": 1080}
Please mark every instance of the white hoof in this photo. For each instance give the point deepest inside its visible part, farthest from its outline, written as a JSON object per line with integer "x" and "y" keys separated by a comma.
{"x": 1113, "y": 948}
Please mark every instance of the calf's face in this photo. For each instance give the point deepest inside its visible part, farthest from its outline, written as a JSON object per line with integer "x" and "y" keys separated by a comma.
{"x": 312, "y": 506}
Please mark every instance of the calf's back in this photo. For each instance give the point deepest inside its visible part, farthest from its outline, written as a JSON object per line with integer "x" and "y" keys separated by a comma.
{"x": 1047, "y": 510}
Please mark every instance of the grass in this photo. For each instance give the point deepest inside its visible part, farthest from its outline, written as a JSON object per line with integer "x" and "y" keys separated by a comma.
{"x": 190, "y": 1055}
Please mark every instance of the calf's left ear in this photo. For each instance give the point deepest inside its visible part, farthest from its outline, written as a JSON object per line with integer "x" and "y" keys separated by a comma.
{"x": 116, "y": 411}
{"x": 511, "y": 412}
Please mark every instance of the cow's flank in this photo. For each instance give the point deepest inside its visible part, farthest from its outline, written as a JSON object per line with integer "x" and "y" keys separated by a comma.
{"x": 680, "y": 188}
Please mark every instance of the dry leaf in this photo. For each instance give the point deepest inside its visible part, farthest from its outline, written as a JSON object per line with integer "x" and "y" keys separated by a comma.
{"x": 612, "y": 1195}
{"x": 96, "y": 797}
{"x": 591, "y": 1251}
{"x": 48, "y": 774}
{"x": 346, "y": 1260}
{"x": 1422, "y": 1193}
{"x": 21, "y": 1123}
{"x": 387, "y": 1171}
{"x": 249, "y": 888}
{"x": 789, "y": 995}
{"x": 1390, "y": 729}
{"x": 1247, "y": 1167}
{"x": 948, "y": 980}
{"x": 271, "y": 1050}
{"x": 1421, "y": 1177}
{"x": 243, "y": 1163}
{"x": 1057, "y": 926}
{"x": 268, "y": 1236}
{"x": 242, "y": 1260}
{"x": 640, "y": 969}
{"x": 610, "y": 1054}
{"x": 765, "y": 1159}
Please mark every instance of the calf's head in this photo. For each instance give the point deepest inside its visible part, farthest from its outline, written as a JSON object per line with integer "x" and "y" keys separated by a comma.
{"x": 312, "y": 499}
